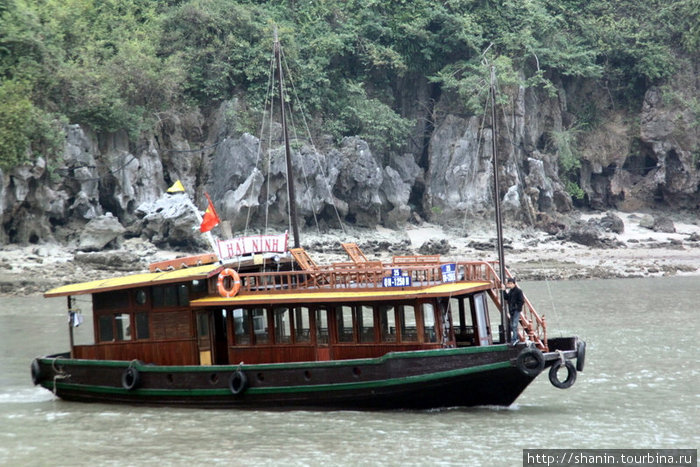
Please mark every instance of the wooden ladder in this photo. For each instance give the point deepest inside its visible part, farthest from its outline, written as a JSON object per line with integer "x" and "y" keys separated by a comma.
{"x": 534, "y": 326}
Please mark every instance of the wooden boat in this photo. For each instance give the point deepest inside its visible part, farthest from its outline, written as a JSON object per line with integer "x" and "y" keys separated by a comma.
{"x": 271, "y": 328}
{"x": 416, "y": 334}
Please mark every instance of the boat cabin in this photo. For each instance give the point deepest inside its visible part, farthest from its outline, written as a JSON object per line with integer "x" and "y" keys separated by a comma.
{"x": 177, "y": 317}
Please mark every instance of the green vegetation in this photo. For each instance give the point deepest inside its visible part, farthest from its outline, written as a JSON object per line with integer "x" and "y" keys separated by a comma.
{"x": 564, "y": 142}
{"x": 116, "y": 65}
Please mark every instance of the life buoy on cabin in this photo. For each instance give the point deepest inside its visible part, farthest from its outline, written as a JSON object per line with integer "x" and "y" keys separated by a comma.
{"x": 570, "y": 375}
{"x": 130, "y": 378}
{"x": 235, "y": 281}
{"x": 530, "y": 361}
{"x": 580, "y": 355}
{"x": 238, "y": 382}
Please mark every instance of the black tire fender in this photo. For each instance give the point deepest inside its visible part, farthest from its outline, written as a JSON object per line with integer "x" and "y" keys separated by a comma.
{"x": 36, "y": 371}
{"x": 570, "y": 375}
{"x": 580, "y": 355}
{"x": 238, "y": 382}
{"x": 131, "y": 378}
{"x": 530, "y": 361}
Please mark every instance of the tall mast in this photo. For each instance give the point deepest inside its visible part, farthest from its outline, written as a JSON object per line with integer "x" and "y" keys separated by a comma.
{"x": 497, "y": 203}
{"x": 288, "y": 153}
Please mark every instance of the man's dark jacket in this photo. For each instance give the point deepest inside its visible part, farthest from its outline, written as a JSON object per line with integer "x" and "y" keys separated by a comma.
{"x": 515, "y": 299}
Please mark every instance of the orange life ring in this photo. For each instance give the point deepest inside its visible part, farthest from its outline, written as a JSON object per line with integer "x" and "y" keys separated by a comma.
{"x": 235, "y": 283}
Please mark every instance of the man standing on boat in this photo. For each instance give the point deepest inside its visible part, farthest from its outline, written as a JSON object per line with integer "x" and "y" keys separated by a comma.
{"x": 515, "y": 300}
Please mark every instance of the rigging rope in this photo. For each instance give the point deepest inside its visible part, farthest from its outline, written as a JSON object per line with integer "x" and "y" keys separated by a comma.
{"x": 313, "y": 145}
{"x": 531, "y": 221}
{"x": 259, "y": 151}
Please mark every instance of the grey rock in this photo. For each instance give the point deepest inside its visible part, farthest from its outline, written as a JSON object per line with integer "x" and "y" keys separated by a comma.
{"x": 663, "y": 224}
{"x": 647, "y": 222}
{"x": 119, "y": 260}
{"x": 171, "y": 222}
{"x": 100, "y": 232}
{"x": 435, "y": 247}
{"x": 612, "y": 223}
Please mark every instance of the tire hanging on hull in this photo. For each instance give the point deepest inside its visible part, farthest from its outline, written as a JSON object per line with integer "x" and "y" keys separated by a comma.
{"x": 238, "y": 383}
{"x": 530, "y": 361}
{"x": 570, "y": 375}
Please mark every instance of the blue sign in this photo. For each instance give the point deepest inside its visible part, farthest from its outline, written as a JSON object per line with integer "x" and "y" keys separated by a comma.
{"x": 449, "y": 272}
{"x": 397, "y": 279}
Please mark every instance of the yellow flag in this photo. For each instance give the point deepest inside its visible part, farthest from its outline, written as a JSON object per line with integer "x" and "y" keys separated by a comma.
{"x": 176, "y": 188}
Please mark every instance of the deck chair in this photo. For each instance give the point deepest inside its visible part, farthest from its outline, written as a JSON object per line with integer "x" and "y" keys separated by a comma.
{"x": 309, "y": 265}
{"x": 354, "y": 253}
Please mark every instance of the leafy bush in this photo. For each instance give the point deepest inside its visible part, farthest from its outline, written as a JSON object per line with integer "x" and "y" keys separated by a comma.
{"x": 113, "y": 65}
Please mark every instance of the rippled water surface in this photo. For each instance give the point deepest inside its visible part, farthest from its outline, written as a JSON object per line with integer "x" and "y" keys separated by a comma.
{"x": 640, "y": 389}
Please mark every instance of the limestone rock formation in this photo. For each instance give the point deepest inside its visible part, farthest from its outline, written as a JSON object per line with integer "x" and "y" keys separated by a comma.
{"x": 100, "y": 232}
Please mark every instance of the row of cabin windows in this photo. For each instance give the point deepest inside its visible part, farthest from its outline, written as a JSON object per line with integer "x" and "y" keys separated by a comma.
{"x": 354, "y": 324}
{"x": 295, "y": 325}
{"x": 118, "y": 326}
{"x": 161, "y": 296}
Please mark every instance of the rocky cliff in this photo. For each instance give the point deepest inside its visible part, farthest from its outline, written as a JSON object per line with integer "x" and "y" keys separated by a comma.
{"x": 109, "y": 185}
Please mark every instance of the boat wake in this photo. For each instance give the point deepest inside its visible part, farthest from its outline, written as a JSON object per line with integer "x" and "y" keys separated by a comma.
{"x": 26, "y": 396}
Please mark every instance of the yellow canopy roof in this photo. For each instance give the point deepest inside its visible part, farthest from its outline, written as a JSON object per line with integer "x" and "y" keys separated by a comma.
{"x": 359, "y": 294}
{"x": 135, "y": 280}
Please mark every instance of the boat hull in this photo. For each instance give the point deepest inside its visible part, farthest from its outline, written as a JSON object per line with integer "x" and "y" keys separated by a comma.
{"x": 401, "y": 380}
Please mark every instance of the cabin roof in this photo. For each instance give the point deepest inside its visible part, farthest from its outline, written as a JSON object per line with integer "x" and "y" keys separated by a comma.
{"x": 135, "y": 280}
{"x": 349, "y": 295}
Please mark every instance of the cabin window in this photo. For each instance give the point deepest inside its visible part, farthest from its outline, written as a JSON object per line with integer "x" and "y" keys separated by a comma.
{"x": 283, "y": 326}
{"x": 461, "y": 316}
{"x": 429, "y": 334}
{"x": 321, "y": 326}
{"x": 114, "y": 327}
{"x": 365, "y": 323}
{"x": 387, "y": 323}
{"x": 168, "y": 296}
{"x": 183, "y": 295}
{"x": 199, "y": 285}
{"x": 110, "y": 300}
{"x": 141, "y": 297}
{"x": 343, "y": 316}
{"x": 407, "y": 321}
{"x": 142, "y": 328}
{"x": 241, "y": 326}
{"x": 302, "y": 324}
{"x": 462, "y": 323}
{"x": 106, "y": 328}
{"x": 261, "y": 326}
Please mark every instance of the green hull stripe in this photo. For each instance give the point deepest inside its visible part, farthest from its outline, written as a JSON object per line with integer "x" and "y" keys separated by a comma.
{"x": 279, "y": 366}
{"x": 283, "y": 389}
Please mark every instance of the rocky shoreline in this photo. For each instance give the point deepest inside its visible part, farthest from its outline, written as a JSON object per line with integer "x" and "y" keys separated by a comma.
{"x": 632, "y": 245}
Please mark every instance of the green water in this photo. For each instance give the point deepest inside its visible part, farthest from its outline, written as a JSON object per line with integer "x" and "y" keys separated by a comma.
{"x": 640, "y": 389}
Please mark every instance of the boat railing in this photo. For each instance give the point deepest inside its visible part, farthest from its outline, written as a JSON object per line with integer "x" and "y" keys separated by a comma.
{"x": 369, "y": 275}
{"x": 534, "y": 326}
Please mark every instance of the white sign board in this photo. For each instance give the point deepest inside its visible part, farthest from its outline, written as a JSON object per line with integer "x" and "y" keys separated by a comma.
{"x": 229, "y": 249}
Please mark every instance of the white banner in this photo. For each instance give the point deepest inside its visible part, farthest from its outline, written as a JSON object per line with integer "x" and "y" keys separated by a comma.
{"x": 228, "y": 249}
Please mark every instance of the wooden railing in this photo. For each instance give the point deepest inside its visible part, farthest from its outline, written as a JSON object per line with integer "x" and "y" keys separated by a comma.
{"x": 369, "y": 275}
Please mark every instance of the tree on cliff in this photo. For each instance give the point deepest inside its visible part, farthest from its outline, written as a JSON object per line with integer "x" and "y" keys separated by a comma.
{"x": 116, "y": 65}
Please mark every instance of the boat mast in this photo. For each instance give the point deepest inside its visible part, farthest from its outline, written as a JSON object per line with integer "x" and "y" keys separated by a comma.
{"x": 497, "y": 203}
{"x": 287, "y": 151}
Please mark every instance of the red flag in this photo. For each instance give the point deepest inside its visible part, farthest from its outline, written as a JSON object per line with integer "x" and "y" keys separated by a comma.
{"x": 211, "y": 218}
